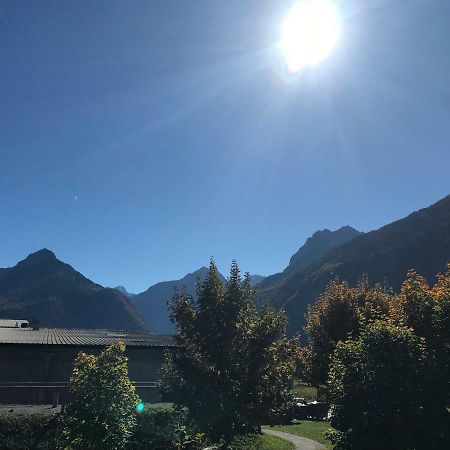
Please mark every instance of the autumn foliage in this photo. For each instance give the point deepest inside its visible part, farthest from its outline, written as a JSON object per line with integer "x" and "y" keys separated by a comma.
{"x": 383, "y": 361}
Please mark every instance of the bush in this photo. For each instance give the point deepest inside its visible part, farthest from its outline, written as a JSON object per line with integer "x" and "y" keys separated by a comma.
{"x": 23, "y": 432}
{"x": 164, "y": 428}
{"x": 380, "y": 400}
{"x": 158, "y": 428}
{"x": 102, "y": 415}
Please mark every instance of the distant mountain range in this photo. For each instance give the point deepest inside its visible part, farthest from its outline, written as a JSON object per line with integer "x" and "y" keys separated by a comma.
{"x": 43, "y": 287}
{"x": 420, "y": 241}
{"x": 152, "y": 302}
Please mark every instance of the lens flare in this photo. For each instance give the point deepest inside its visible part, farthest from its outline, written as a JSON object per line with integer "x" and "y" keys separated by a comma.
{"x": 140, "y": 407}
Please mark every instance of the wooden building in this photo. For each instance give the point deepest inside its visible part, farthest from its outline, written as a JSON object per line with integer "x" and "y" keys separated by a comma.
{"x": 35, "y": 365}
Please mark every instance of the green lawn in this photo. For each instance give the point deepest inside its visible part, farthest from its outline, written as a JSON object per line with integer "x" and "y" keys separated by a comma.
{"x": 274, "y": 443}
{"x": 262, "y": 442}
{"x": 309, "y": 429}
{"x": 302, "y": 390}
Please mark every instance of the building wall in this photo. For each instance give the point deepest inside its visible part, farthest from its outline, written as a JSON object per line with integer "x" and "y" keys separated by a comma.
{"x": 24, "y": 369}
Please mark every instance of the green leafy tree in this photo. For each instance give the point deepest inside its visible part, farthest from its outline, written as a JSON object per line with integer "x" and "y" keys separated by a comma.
{"x": 426, "y": 310}
{"x": 414, "y": 306}
{"x": 389, "y": 379}
{"x": 441, "y": 335}
{"x": 338, "y": 314}
{"x": 379, "y": 393}
{"x": 234, "y": 366}
{"x": 102, "y": 415}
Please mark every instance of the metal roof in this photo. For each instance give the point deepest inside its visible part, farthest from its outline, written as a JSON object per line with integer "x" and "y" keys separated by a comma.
{"x": 12, "y": 323}
{"x": 80, "y": 337}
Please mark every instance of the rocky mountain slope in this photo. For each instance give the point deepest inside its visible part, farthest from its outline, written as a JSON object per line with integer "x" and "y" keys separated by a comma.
{"x": 420, "y": 241}
{"x": 43, "y": 287}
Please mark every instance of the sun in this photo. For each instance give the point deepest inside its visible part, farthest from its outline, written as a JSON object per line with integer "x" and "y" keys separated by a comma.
{"x": 309, "y": 33}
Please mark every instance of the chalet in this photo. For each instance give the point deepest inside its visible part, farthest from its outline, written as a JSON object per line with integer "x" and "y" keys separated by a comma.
{"x": 35, "y": 365}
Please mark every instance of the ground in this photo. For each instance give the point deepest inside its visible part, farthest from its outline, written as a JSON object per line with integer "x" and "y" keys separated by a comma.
{"x": 274, "y": 443}
{"x": 314, "y": 430}
{"x": 302, "y": 390}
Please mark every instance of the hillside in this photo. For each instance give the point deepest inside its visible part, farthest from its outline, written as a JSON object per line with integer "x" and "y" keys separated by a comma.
{"x": 46, "y": 288}
{"x": 152, "y": 302}
{"x": 318, "y": 245}
{"x": 315, "y": 248}
{"x": 420, "y": 241}
{"x": 124, "y": 291}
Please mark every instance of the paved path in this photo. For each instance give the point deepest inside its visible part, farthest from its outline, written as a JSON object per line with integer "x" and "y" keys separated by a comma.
{"x": 300, "y": 443}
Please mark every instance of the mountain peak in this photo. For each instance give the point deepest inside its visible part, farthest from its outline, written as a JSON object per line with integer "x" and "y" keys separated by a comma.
{"x": 42, "y": 255}
{"x": 320, "y": 243}
{"x": 42, "y": 286}
{"x": 124, "y": 291}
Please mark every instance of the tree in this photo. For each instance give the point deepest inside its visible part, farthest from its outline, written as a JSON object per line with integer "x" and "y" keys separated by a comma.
{"x": 377, "y": 385}
{"x": 389, "y": 379}
{"x": 441, "y": 328}
{"x": 414, "y": 306}
{"x": 233, "y": 366}
{"x": 426, "y": 310}
{"x": 338, "y": 314}
{"x": 102, "y": 413}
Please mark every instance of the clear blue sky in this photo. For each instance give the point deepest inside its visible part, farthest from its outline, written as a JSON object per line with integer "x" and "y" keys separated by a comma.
{"x": 140, "y": 138}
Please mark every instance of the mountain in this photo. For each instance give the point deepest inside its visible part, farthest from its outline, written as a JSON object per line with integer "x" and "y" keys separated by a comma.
{"x": 255, "y": 279}
{"x": 315, "y": 248}
{"x": 125, "y": 292}
{"x": 46, "y": 288}
{"x": 420, "y": 241}
{"x": 318, "y": 245}
{"x": 152, "y": 302}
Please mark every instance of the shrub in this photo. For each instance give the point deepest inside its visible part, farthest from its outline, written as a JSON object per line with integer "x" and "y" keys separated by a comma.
{"x": 39, "y": 431}
{"x": 380, "y": 400}
{"x": 164, "y": 428}
{"x": 102, "y": 415}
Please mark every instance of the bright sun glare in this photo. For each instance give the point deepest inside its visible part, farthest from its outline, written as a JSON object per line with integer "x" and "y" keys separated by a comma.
{"x": 309, "y": 34}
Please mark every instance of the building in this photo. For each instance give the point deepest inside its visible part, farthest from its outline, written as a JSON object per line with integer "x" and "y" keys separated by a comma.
{"x": 35, "y": 365}
{"x": 14, "y": 323}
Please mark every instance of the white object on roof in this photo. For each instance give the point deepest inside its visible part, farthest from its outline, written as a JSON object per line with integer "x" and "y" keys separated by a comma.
{"x": 14, "y": 323}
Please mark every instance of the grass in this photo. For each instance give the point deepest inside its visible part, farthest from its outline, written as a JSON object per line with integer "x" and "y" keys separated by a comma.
{"x": 261, "y": 442}
{"x": 308, "y": 429}
{"x": 274, "y": 443}
{"x": 302, "y": 390}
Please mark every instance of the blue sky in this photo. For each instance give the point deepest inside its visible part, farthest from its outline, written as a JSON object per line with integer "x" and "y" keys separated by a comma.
{"x": 140, "y": 138}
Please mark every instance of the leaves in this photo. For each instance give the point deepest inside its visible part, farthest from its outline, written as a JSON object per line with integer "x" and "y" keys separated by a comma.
{"x": 102, "y": 414}
{"x": 389, "y": 371}
{"x": 234, "y": 366}
{"x": 377, "y": 390}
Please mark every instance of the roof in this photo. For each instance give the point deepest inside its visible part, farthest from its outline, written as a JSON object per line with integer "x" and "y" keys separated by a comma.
{"x": 12, "y": 323}
{"x": 80, "y": 337}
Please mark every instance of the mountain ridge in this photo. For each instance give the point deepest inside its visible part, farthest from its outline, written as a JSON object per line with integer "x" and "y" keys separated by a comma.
{"x": 419, "y": 241}
{"x": 43, "y": 287}
{"x": 315, "y": 247}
